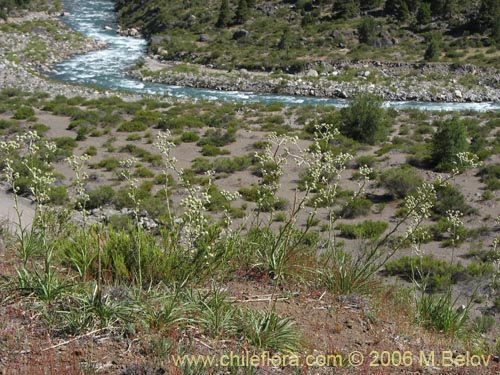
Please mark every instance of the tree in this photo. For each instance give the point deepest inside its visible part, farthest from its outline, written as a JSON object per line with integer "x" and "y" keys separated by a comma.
{"x": 224, "y": 16}
{"x": 284, "y": 43}
{"x": 433, "y": 49}
{"x": 403, "y": 13}
{"x": 489, "y": 17}
{"x": 365, "y": 120}
{"x": 424, "y": 15}
{"x": 242, "y": 12}
{"x": 447, "y": 142}
{"x": 347, "y": 8}
{"x": 367, "y": 30}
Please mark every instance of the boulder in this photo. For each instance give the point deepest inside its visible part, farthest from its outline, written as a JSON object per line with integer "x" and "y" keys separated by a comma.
{"x": 312, "y": 73}
{"x": 160, "y": 39}
{"x": 205, "y": 38}
{"x": 239, "y": 34}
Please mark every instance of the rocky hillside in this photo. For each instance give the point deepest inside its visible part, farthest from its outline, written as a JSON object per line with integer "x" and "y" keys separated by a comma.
{"x": 287, "y": 35}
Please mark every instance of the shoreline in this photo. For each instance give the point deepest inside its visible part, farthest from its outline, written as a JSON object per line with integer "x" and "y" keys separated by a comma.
{"x": 400, "y": 82}
{"x": 338, "y": 80}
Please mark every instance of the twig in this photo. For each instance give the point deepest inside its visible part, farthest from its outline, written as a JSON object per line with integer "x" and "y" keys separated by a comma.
{"x": 62, "y": 343}
{"x": 203, "y": 343}
{"x": 260, "y": 300}
{"x": 73, "y": 339}
{"x": 320, "y": 298}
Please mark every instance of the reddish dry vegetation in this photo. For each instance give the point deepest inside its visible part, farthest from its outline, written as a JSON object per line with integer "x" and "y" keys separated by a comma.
{"x": 379, "y": 328}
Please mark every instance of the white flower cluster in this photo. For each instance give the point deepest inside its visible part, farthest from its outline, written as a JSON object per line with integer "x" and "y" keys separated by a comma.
{"x": 453, "y": 217}
{"x": 77, "y": 163}
{"x": 465, "y": 160}
{"x": 27, "y": 148}
{"x": 194, "y": 221}
{"x": 420, "y": 203}
{"x": 165, "y": 146}
{"x": 272, "y": 161}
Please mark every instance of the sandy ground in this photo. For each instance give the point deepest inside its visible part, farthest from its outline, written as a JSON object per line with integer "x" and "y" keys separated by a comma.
{"x": 8, "y": 213}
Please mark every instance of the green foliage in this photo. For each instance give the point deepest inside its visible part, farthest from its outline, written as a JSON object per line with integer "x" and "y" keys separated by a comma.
{"x": 367, "y": 229}
{"x": 132, "y": 126}
{"x": 242, "y": 12}
{"x": 58, "y": 195}
{"x": 490, "y": 175}
{"x": 365, "y": 120}
{"x": 218, "y": 138}
{"x": 401, "y": 181}
{"x": 438, "y": 312}
{"x": 436, "y": 275}
{"x": 221, "y": 165}
{"x": 266, "y": 330}
{"x": 189, "y": 137}
{"x": 433, "y": 50}
{"x": 100, "y": 197}
{"x": 224, "y": 15}
{"x": 358, "y": 206}
{"x": 347, "y": 8}
{"x": 449, "y": 140}
{"x": 24, "y": 113}
{"x": 368, "y": 30}
{"x": 209, "y": 150}
{"x": 450, "y": 198}
{"x": 424, "y": 15}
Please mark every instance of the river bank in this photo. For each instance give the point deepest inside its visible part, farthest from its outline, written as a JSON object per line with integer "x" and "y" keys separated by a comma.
{"x": 30, "y": 46}
{"x": 342, "y": 79}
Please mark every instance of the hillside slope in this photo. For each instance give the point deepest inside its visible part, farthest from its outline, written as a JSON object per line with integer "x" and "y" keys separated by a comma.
{"x": 276, "y": 34}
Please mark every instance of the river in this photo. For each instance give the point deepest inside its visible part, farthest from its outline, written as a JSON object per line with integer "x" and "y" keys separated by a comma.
{"x": 107, "y": 68}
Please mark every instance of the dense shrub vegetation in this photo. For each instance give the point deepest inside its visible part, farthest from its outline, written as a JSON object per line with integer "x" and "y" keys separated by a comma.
{"x": 277, "y": 34}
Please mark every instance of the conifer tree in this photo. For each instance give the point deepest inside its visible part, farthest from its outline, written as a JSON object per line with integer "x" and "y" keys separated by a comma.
{"x": 224, "y": 16}
{"x": 242, "y": 12}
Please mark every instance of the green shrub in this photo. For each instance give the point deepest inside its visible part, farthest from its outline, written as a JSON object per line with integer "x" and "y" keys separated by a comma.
{"x": 490, "y": 175}
{"x": 365, "y": 120}
{"x": 438, "y": 312}
{"x": 99, "y": 197}
{"x": 109, "y": 164}
{"x": 449, "y": 140}
{"x": 24, "y": 113}
{"x": 221, "y": 165}
{"x": 356, "y": 207}
{"x": 368, "y": 30}
{"x": 209, "y": 150}
{"x": 401, "y": 181}
{"x": 91, "y": 151}
{"x": 367, "y": 229}
{"x": 189, "y": 137}
{"x": 218, "y": 138}
{"x": 437, "y": 274}
{"x": 65, "y": 146}
{"x": 132, "y": 126}
{"x": 134, "y": 137}
{"x": 58, "y": 195}
{"x": 144, "y": 172}
{"x": 450, "y": 198}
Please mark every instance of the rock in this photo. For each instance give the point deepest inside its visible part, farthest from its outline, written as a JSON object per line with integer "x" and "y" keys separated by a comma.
{"x": 162, "y": 52}
{"x": 160, "y": 39}
{"x": 205, "y": 38}
{"x": 312, "y": 73}
{"x": 458, "y": 94}
{"x": 133, "y": 32}
{"x": 109, "y": 28}
{"x": 242, "y": 33}
{"x": 39, "y": 31}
